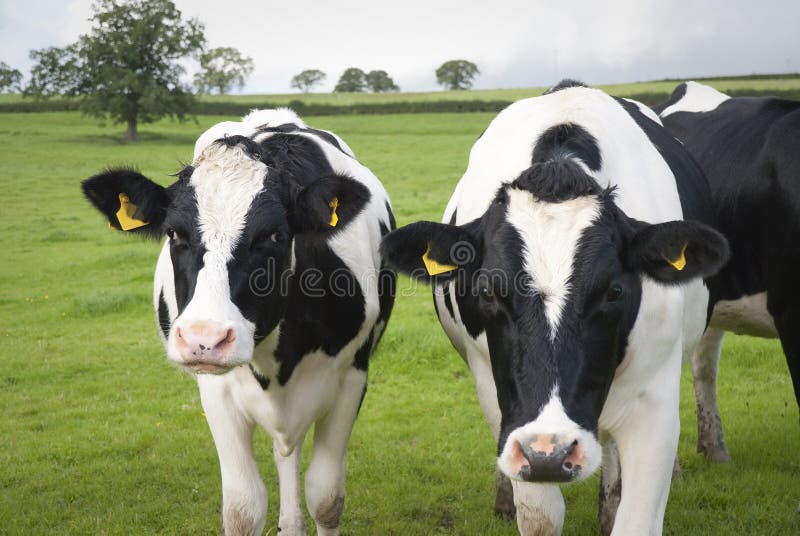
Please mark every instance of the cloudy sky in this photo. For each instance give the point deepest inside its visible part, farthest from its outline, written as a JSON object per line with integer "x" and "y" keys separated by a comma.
{"x": 514, "y": 43}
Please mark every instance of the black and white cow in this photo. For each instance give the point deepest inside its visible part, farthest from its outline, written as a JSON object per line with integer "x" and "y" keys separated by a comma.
{"x": 270, "y": 287}
{"x": 749, "y": 149}
{"x": 572, "y": 312}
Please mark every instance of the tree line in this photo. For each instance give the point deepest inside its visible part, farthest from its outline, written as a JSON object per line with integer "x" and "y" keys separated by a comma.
{"x": 128, "y": 67}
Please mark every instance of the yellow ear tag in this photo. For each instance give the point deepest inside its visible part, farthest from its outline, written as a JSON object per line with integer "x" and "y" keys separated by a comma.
{"x": 127, "y": 214}
{"x": 680, "y": 262}
{"x": 334, "y": 204}
{"x": 433, "y": 267}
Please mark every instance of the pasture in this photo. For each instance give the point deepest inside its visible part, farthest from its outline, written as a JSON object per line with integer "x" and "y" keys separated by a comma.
{"x": 101, "y": 435}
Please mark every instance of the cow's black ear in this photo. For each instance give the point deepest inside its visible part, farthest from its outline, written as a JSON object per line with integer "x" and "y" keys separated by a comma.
{"x": 676, "y": 251}
{"x": 130, "y": 201}
{"x": 427, "y": 250}
{"x": 328, "y": 204}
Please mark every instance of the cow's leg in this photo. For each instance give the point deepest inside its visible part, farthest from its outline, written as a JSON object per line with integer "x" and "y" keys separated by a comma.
{"x": 290, "y": 520}
{"x": 326, "y": 472}
{"x": 487, "y": 396}
{"x": 244, "y": 497}
{"x": 705, "y": 362}
{"x": 540, "y": 508}
{"x": 610, "y": 487}
{"x": 647, "y": 441}
{"x": 787, "y": 322}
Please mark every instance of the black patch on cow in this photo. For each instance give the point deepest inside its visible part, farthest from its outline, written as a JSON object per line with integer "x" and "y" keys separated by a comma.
{"x": 292, "y": 128}
{"x": 677, "y": 94}
{"x": 263, "y": 381}
{"x": 324, "y": 311}
{"x": 556, "y": 181}
{"x": 565, "y": 141}
{"x": 448, "y": 303}
{"x": 564, "y": 84}
{"x": 186, "y": 248}
{"x": 361, "y": 361}
{"x": 163, "y": 315}
{"x": 453, "y": 217}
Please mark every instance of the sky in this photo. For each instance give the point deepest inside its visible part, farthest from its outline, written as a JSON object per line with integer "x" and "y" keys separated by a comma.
{"x": 514, "y": 43}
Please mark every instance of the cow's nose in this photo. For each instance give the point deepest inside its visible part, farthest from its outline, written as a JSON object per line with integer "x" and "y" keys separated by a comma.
{"x": 548, "y": 458}
{"x": 204, "y": 344}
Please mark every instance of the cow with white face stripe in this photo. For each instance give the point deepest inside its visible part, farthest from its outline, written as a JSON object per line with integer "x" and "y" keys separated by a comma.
{"x": 571, "y": 311}
{"x": 270, "y": 288}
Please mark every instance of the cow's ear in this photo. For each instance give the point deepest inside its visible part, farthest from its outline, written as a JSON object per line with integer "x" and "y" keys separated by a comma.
{"x": 328, "y": 204}
{"x": 676, "y": 251}
{"x": 427, "y": 250}
{"x": 130, "y": 201}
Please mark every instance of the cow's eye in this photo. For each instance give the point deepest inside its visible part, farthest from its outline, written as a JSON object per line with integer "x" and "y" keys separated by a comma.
{"x": 172, "y": 234}
{"x": 614, "y": 292}
{"x": 486, "y": 294}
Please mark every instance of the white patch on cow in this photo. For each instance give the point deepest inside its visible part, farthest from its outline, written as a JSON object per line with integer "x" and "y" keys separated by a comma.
{"x": 646, "y": 111}
{"x": 273, "y": 118}
{"x": 746, "y": 316}
{"x": 550, "y": 233}
{"x": 553, "y": 420}
{"x": 698, "y": 98}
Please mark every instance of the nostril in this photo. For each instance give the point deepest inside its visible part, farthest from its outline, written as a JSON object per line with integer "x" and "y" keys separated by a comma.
{"x": 568, "y": 465}
{"x": 229, "y": 337}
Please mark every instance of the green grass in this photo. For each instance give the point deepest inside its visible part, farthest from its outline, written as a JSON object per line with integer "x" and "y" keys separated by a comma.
{"x": 779, "y": 83}
{"x": 101, "y": 435}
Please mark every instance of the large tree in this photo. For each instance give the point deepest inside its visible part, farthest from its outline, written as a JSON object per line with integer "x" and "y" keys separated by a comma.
{"x": 456, "y": 74}
{"x": 127, "y": 67}
{"x": 308, "y": 79}
{"x": 9, "y": 78}
{"x": 380, "y": 81}
{"x": 352, "y": 80}
{"x": 221, "y": 69}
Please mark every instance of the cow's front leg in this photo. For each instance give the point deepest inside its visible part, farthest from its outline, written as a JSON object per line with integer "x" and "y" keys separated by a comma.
{"x": 326, "y": 472}
{"x": 647, "y": 443}
{"x": 705, "y": 363}
{"x": 610, "y": 487}
{"x": 291, "y": 521}
{"x": 244, "y": 497}
{"x": 540, "y": 508}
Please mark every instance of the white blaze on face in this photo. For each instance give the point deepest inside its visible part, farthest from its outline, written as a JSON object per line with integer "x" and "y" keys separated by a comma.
{"x": 550, "y": 233}
{"x": 225, "y": 182}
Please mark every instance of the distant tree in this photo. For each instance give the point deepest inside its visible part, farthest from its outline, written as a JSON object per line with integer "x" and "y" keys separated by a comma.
{"x": 379, "y": 81}
{"x": 456, "y": 74}
{"x": 308, "y": 79}
{"x": 10, "y": 79}
{"x": 352, "y": 80}
{"x": 127, "y": 67}
{"x": 221, "y": 69}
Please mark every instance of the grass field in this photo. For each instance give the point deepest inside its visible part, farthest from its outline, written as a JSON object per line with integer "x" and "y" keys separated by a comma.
{"x": 100, "y": 435}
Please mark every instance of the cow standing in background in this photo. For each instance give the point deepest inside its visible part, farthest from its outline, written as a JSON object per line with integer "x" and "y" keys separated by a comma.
{"x": 572, "y": 312}
{"x": 749, "y": 150}
{"x": 271, "y": 289}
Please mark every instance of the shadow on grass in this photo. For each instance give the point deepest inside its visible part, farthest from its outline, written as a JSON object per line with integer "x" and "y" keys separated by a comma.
{"x": 118, "y": 139}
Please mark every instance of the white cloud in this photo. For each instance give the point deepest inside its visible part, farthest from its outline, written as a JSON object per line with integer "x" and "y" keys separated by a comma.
{"x": 515, "y": 43}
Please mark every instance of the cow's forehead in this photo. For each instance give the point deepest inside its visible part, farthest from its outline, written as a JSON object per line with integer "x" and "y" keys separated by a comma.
{"x": 550, "y": 234}
{"x": 225, "y": 182}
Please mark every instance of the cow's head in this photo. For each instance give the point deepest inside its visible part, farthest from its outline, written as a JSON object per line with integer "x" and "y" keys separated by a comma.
{"x": 552, "y": 272}
{"x": 231, "y": 220}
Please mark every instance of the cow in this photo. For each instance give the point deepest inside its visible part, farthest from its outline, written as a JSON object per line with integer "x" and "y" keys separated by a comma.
{"x": 748, "y": 149}
{"x": 271, "y": 291}
{"x": 568, "y": 273}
